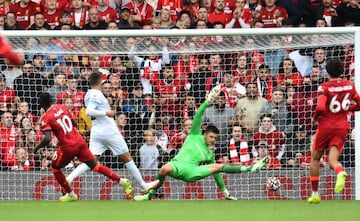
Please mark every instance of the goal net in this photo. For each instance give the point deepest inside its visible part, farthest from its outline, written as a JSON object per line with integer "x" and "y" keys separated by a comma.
{"x": 156, "y": 80}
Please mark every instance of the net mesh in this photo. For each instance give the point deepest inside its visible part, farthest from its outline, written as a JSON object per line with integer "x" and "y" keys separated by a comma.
{"x": 156, "y": 84}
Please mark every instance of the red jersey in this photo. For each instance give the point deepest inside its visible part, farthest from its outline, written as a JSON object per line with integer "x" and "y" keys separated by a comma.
{"x": 177, "y": 140}
{"x": 274, "y": 140}
{"x": 334, "y": 113}
{"x": 58, "y": 119}
{"x": 174, "y": 7}
{"x": 23, "y": 14}
{"x": 219, "y": 17}
{"x": 167, "y": 91}
{"x": 7, "y": 98}
{"x": 7, "y": 144}
{"x": 108, "y": 14}
{"x": 144, "y": 10}
{"x": 53, "y": 19}
{"x": 296, "y": 78}
{"x": 61, "y": 5}
{"x": 269, "y": 17}
{"x": 77, "y": 97}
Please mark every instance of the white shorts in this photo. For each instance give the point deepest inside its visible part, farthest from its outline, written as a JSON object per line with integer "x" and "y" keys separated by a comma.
{"x": 114, "y": 142}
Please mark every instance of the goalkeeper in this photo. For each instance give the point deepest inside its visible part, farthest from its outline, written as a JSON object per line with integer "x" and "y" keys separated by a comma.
{"x": 196, "y": 160}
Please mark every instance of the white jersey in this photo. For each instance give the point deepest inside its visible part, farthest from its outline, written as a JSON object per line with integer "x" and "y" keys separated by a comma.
{"x": 101, "y": 125}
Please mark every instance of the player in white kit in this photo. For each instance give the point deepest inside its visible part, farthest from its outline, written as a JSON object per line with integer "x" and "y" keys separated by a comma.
{"x": 105, "y": 134}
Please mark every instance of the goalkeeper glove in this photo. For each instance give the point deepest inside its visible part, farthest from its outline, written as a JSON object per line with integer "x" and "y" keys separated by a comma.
{"x": 214, "y": 93}
{"x": 228, "y": 196}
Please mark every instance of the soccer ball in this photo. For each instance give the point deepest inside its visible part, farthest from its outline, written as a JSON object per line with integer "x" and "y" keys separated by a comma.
{"x": 273, "y": 184}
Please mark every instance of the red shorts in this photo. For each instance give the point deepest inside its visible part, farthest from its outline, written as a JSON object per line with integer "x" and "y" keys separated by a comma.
{"x": 325, "y": 139}
{"x": 65, "y": 154}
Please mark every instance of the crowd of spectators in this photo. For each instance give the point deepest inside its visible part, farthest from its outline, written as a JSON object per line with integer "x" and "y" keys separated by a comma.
{"x": 267, "y": 97}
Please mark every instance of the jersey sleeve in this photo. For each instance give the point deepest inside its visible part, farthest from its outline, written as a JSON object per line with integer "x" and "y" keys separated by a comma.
{"x": 196, "y": 125}
{"x": 321, "y": 102}
{"x": 45, "y": 122}
{"x": 93, "y": 103}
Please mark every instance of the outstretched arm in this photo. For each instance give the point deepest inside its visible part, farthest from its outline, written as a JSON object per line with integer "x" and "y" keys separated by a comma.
{"x": 196, "y": 125}
{"x": 93, "y": 112}
{"x": 44, "y": 142}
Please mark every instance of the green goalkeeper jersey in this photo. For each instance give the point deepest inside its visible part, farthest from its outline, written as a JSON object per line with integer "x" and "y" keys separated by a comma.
{"x": 194, "y": 150}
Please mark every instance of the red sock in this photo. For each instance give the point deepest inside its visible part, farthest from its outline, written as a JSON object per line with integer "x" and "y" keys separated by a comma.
{"x": 314, "y": 183}
{"x": 107, "y": 172}
{"x": 339, "y": 168}
{"x": 59, "y": 176}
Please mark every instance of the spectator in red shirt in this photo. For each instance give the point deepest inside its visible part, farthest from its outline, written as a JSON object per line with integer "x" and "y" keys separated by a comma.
{"x": 288, "y": 74}
{"x": 168, "y": 92}
{"x": 272, "y": 15}
{"x": 23, "y": 111}
{"x": 219, "y": 14}
{"x": 22, "y": 162}
{"x": 270, "y": 138}
{"x": 7, "y": 96}
{"x": 190, "y": 107}
{"x": 241, "y": 70}
{"x": 193, "y": 7}
{"x": 8, "y": 138}
{"x": 25, "y": 11}
{"x": 106, "y": 13}
{"x": 177, "y": 140}
{"x": 241, "y": 17}
{"x": 141, "y": 11}
{"x": 52, "y": 14}
{"x": 174, "y": 6}
{"x": 77, "y": 96}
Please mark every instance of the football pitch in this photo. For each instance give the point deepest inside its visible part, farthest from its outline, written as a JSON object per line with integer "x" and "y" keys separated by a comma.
{"x": 205, "y": 210}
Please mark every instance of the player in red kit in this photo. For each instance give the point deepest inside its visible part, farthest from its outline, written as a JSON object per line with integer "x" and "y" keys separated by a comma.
{"x": 336, "y": 98}
{"x": 8, "y": 52}
{"x": 57, "y": 119}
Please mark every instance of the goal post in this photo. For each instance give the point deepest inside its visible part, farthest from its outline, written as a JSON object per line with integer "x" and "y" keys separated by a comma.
{"x": 144, "y": 54}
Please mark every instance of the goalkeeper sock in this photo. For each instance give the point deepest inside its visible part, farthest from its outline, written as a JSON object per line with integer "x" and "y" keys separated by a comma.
{"x": 161, "y": 179}
{"x": 131, "y": 167}
{"x": 151, "y": 194}
{"x": 234, "y": 169}
{"x": 79, "y": 170}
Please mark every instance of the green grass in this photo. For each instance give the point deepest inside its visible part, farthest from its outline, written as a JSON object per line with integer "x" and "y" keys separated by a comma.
{"x": 245, "y": 210}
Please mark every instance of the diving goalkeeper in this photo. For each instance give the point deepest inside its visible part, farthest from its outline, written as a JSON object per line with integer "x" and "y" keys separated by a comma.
{"x": 196, "y": 160}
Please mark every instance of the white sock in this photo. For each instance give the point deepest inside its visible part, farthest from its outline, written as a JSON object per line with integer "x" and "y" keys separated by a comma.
{"x": 79, "y": 170}
{"x": 132, "y": 168}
